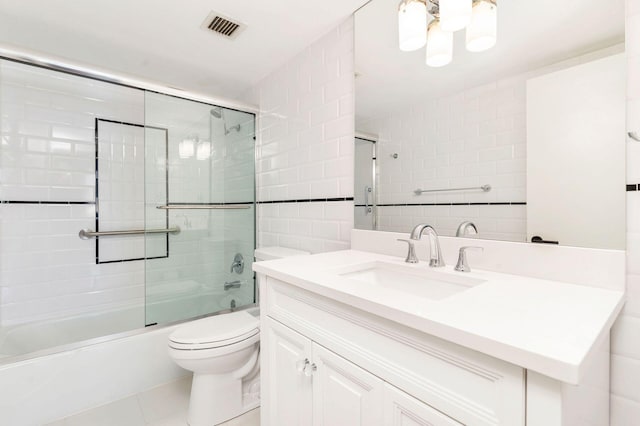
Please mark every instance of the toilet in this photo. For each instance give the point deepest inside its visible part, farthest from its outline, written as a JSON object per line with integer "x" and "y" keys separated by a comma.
{"x": 222, "y": 351}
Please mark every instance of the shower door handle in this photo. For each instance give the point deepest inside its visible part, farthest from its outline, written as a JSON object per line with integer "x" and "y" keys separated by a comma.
{"x": 367, "y": 191}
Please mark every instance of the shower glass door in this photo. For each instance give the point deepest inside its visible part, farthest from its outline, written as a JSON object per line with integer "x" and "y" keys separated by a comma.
{"x": 365, "y": 213}
{"x": 200, "y": 189}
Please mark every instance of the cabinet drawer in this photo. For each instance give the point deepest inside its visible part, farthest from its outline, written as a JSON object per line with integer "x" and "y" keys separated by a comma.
{"x": 471, "y": 387}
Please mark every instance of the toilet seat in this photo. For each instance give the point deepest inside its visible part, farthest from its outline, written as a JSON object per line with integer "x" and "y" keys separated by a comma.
{"x": 214, "y": 344}
{"x": 215, "y": 332}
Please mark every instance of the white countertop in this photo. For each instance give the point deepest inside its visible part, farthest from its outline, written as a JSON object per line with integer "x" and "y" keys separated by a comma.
{"x": 546, "y": 326}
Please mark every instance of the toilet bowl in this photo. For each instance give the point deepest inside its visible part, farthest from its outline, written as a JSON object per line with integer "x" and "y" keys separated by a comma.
{"x": 220, "y": 350}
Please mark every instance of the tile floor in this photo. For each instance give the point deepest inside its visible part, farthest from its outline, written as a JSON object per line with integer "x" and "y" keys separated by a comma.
{"x": 162, "y": 406}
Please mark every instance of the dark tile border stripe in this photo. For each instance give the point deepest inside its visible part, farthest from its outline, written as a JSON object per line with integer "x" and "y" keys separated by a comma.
{"x": 46, "y": 202}
{"x": 506, "y": 203}
{"x": 633, "y": 187}
{"x": 307, "y": 200}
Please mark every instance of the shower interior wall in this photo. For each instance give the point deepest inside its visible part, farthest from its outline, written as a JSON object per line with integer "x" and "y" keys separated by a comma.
{"x": 48, "y": 186}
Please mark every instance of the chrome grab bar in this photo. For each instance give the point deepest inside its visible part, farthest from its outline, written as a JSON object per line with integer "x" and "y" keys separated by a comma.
{"x": 484, "y": 188}
{"x": 204, "y": 206}
{"x": 367, "y": 191}
{"x": 86, "y": 234}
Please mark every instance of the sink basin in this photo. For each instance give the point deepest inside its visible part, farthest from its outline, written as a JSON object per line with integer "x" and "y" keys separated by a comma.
{"x": 418, "y": 281}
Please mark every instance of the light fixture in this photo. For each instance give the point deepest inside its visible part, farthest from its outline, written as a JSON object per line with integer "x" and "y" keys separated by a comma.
{"x": 455, "y": 14}
{"x": 480, "y": 17}
{"x": 412, "y": 24}
{"x": 204, "y": 150}
{"x": 483, "y": 28}
{"x": 439, "y": 45}
{"x": 186, "y": 148}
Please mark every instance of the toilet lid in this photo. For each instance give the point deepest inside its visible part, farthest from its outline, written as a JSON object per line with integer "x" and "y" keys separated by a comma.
{"x": 219, "y": 330}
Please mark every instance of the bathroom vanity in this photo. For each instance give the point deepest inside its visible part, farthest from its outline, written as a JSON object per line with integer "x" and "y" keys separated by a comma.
{"x": 361, "y": 338}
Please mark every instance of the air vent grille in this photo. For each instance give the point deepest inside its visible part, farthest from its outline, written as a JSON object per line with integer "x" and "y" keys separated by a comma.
{"x": 223, "y": 26}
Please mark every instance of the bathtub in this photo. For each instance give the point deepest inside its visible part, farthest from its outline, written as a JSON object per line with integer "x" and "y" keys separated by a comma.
{"x": 55, "y": 368}
{"x": 166, "y": 305}
{"x": 34, "y": 337}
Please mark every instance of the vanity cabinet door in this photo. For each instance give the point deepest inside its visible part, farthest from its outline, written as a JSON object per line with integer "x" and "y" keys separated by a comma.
{"x": 401, "y": 409}
{"x": 343, "y": 393}
{"x": 287, "y": 393}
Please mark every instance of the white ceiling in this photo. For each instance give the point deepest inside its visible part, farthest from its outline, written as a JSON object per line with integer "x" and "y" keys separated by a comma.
{"x": 531, "y": 34}
{"x": 161, "y": 40}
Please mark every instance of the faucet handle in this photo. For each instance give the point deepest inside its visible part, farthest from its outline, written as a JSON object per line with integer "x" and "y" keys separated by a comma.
{"x": 463, "y": 265}
{"x": 411, "y": 254}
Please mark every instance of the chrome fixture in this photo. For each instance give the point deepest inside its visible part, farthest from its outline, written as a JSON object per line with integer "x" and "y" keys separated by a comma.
{"x": 436, "y": 259}
{"x": 238, "y": 264}
{"x": 484, "y": 188}
{"x": 218, "y": 113}
{"x": 367, "y": 208}
{"x": 232, "y": 284}
{"x": 634, "y": 136}
{"x": 463, "y": 265}
{"x": 204, "y": 206}
{"x": 86, "y": 234}
{"x": 464, "y": 227}
{"x": 479, "y": 17}
{"x": 411, "y": 254}
{"x": 306, "y": 367}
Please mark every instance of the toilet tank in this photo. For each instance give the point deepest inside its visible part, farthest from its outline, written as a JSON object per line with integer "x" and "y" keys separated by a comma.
{"x": 274, "y": 252}
{"x": 270, "y": 253}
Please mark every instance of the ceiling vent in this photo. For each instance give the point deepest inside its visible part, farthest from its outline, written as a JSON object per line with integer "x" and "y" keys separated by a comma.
{"x": 222, "y": 25}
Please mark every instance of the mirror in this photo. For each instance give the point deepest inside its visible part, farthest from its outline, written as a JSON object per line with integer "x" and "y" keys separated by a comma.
{"x": 525, "y": 140}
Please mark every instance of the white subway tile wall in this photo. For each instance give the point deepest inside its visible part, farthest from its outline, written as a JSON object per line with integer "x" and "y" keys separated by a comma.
{"x": 316, "y": 226}
{"x": 48, "y": 155}
{"x": 306, "y": 146}
{"x": 469, "y": 139}
{"x": 625, "y": 346}
{"x": 122, "y": 182}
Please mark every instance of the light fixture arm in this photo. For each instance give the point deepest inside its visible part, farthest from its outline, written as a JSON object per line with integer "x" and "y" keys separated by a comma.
{"x": 435, "y": 8}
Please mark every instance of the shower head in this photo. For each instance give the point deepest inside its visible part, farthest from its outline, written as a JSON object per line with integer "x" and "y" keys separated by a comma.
{"x": 216, "y": 112}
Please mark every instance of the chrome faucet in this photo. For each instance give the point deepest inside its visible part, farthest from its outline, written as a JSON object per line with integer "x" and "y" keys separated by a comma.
{"x": 434, "y": 245}
{"x": 411, "y": 254}
{"x": 233, "y": 284}
{"x": 464, "y": 227}
{"x": 463, "y": 265}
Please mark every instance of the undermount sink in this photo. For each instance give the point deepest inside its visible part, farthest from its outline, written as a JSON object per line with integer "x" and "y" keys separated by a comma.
{"x": 420, "y": 281}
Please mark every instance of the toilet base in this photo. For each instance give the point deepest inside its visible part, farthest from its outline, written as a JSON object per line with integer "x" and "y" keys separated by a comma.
{"x": 207, "y": 411}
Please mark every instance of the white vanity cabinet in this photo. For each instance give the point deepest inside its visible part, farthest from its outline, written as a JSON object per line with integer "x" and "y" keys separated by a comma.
{"x": 311, "y": 385}
{"x": 290, "y": 393}
{"x": 316, "y": 386}
{"x": 325, "y": 363}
